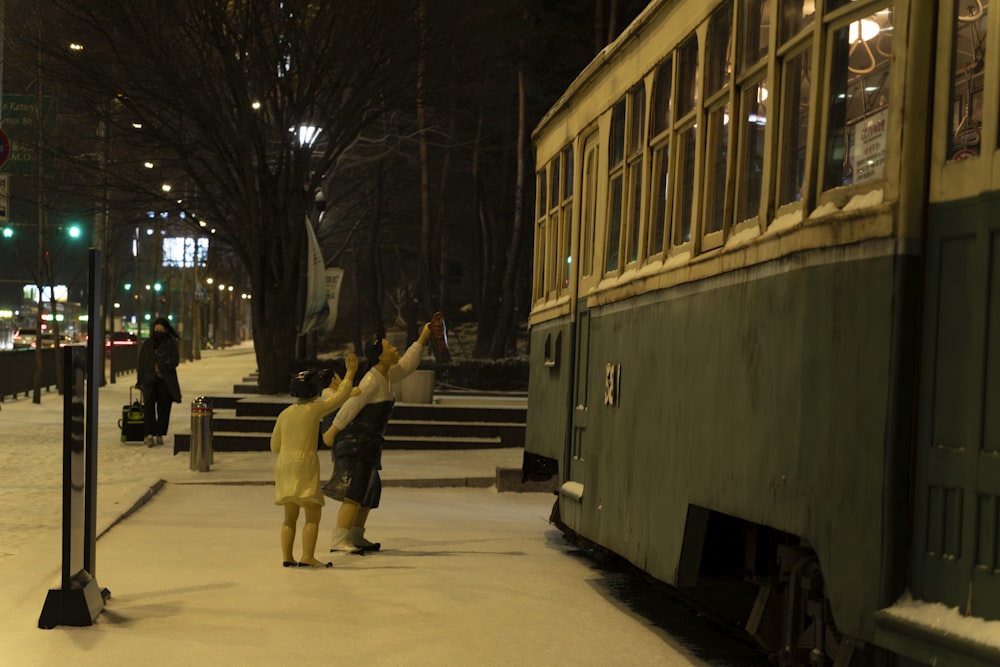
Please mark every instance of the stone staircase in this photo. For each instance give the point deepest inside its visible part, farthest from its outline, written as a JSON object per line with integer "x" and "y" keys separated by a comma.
{"x": 243, "y": 421}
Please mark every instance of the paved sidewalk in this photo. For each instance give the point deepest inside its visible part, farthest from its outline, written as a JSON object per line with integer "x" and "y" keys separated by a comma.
{"x": 467, "y": 575}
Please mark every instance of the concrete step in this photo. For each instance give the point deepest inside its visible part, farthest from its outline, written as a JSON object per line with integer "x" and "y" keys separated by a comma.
{"x": 261, "y": 442}
{"x": 243, "y": 422}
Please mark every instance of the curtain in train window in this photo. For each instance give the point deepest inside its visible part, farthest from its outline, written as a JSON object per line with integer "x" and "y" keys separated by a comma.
{"x": 967, "y": 73}
{"x": 794, "y": 117}
{"x": 859, "y": 97}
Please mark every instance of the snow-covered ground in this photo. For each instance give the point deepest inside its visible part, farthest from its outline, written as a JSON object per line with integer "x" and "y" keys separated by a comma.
{"x": 468, "y": 576}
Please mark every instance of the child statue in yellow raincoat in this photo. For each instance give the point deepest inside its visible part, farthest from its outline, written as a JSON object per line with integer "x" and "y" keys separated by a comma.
{"x": 296, "y": 471}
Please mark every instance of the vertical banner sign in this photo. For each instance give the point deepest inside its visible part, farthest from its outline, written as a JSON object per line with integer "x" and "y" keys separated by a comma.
{"x": 314, "y": 311}
{"x": 4, "y": 147}
{"x": 334, "y": 277}
{"x": 4, "y": 196}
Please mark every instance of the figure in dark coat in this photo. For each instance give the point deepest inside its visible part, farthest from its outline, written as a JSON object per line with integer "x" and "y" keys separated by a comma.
{"x": 157, "y": 372}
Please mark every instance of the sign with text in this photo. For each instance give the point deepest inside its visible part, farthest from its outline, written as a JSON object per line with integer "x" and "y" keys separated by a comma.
{"x": 868, "y": 154}
{"x": 22, "y": 116}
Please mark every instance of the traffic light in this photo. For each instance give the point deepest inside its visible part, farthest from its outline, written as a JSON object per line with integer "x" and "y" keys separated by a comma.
{"x": 74, "y": 231}
{"x": 8, "y": 232}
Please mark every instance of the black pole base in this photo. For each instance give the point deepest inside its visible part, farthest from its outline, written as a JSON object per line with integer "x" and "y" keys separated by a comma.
{"x": 78, "y": 606}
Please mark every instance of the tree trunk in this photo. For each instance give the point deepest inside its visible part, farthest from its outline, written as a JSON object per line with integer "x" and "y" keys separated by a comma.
{"x": 373, "y": 266}
{"x": 426, "y": 260}
{"x": 485, "y": 313}
{"x": 443, "y": 355}
{"x": 505, "y": 322}
{"x": 275, "y": 279}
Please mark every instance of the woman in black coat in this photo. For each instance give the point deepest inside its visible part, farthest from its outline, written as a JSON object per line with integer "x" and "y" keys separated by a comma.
{"x": 158, "y": 361}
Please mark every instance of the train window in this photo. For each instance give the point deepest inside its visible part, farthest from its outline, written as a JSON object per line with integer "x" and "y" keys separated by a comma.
{"x": 796, "y": 16}
{"x": 686, "y": 142}
{"x": 794, "y": 124}
{"x": 716, "y": 158}
{"x": 660, "y": 197}
{"x": 616, "y": 161}
{"x": 686, "y": 85}
{"x": 687, "y": 76}
{"x": 628, "y": 123}
{"x": 565, "y": 219}
{"x": 543, "y": 192}
{"x": 756, "y": 32}
{"x": 718, "y": 64}
{"x": 967, "y": 73}
{"x": 750, "y": 174}
{"x": 662, "y": 88}
{"x": 553, "y": 349}
{"x": 554, "y": 182}
{"x": 540, "y": 237}
{"x": 636, "y": 144}
{"x": 660, "y": 122}
{"x": 588, "y": 222}
{"x": 552, "y": 245}
{"x": 859, "y": 95}
{"x": 614, "y": 224}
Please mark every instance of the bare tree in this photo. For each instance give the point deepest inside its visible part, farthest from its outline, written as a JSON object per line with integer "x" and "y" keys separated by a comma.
{"x": 250, "y": 105}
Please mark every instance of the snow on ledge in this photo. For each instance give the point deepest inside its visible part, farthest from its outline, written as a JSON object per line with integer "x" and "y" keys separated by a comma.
{"x": 786, "y": 221}
{"x": 572, "y": 490}
{"x": 946, "y": 620}
{"x": 867, "y": 200}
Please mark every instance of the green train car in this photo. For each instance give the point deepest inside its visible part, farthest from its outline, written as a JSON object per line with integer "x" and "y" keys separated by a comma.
{"x": 765, "y": 325}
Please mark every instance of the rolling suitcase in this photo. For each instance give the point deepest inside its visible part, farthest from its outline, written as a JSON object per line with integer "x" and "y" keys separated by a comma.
{"x": 132, "y": 422}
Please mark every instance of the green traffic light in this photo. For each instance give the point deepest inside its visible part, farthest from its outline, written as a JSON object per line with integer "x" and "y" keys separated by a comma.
{"x": 8, "y": 232}
{"x": 74, "y": 231}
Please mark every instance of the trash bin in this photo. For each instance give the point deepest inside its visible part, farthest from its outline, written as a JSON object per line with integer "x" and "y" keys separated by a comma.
{"x": 201, "y": 434}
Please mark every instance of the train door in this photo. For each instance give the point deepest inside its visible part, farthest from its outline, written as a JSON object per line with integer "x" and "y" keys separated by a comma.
{"x": 956, "y": 511}
{"x": 956, "y": 547}
{"x": 577, "y": 455}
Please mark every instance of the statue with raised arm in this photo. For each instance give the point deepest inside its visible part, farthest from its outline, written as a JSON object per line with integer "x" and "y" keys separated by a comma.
{"x": 296, "y": 470}
{"x": 356, "y": 436}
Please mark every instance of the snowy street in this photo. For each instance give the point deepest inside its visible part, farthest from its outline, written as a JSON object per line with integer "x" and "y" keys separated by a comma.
{"x": 467, "y": 575}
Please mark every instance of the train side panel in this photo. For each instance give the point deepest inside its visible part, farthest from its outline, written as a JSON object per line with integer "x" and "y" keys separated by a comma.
{"x": 549, "y": 386}
{"x": 771, "y": 404}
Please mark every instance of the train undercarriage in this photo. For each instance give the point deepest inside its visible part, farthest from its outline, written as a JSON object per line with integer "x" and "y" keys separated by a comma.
{"x": 769, "y": 585}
